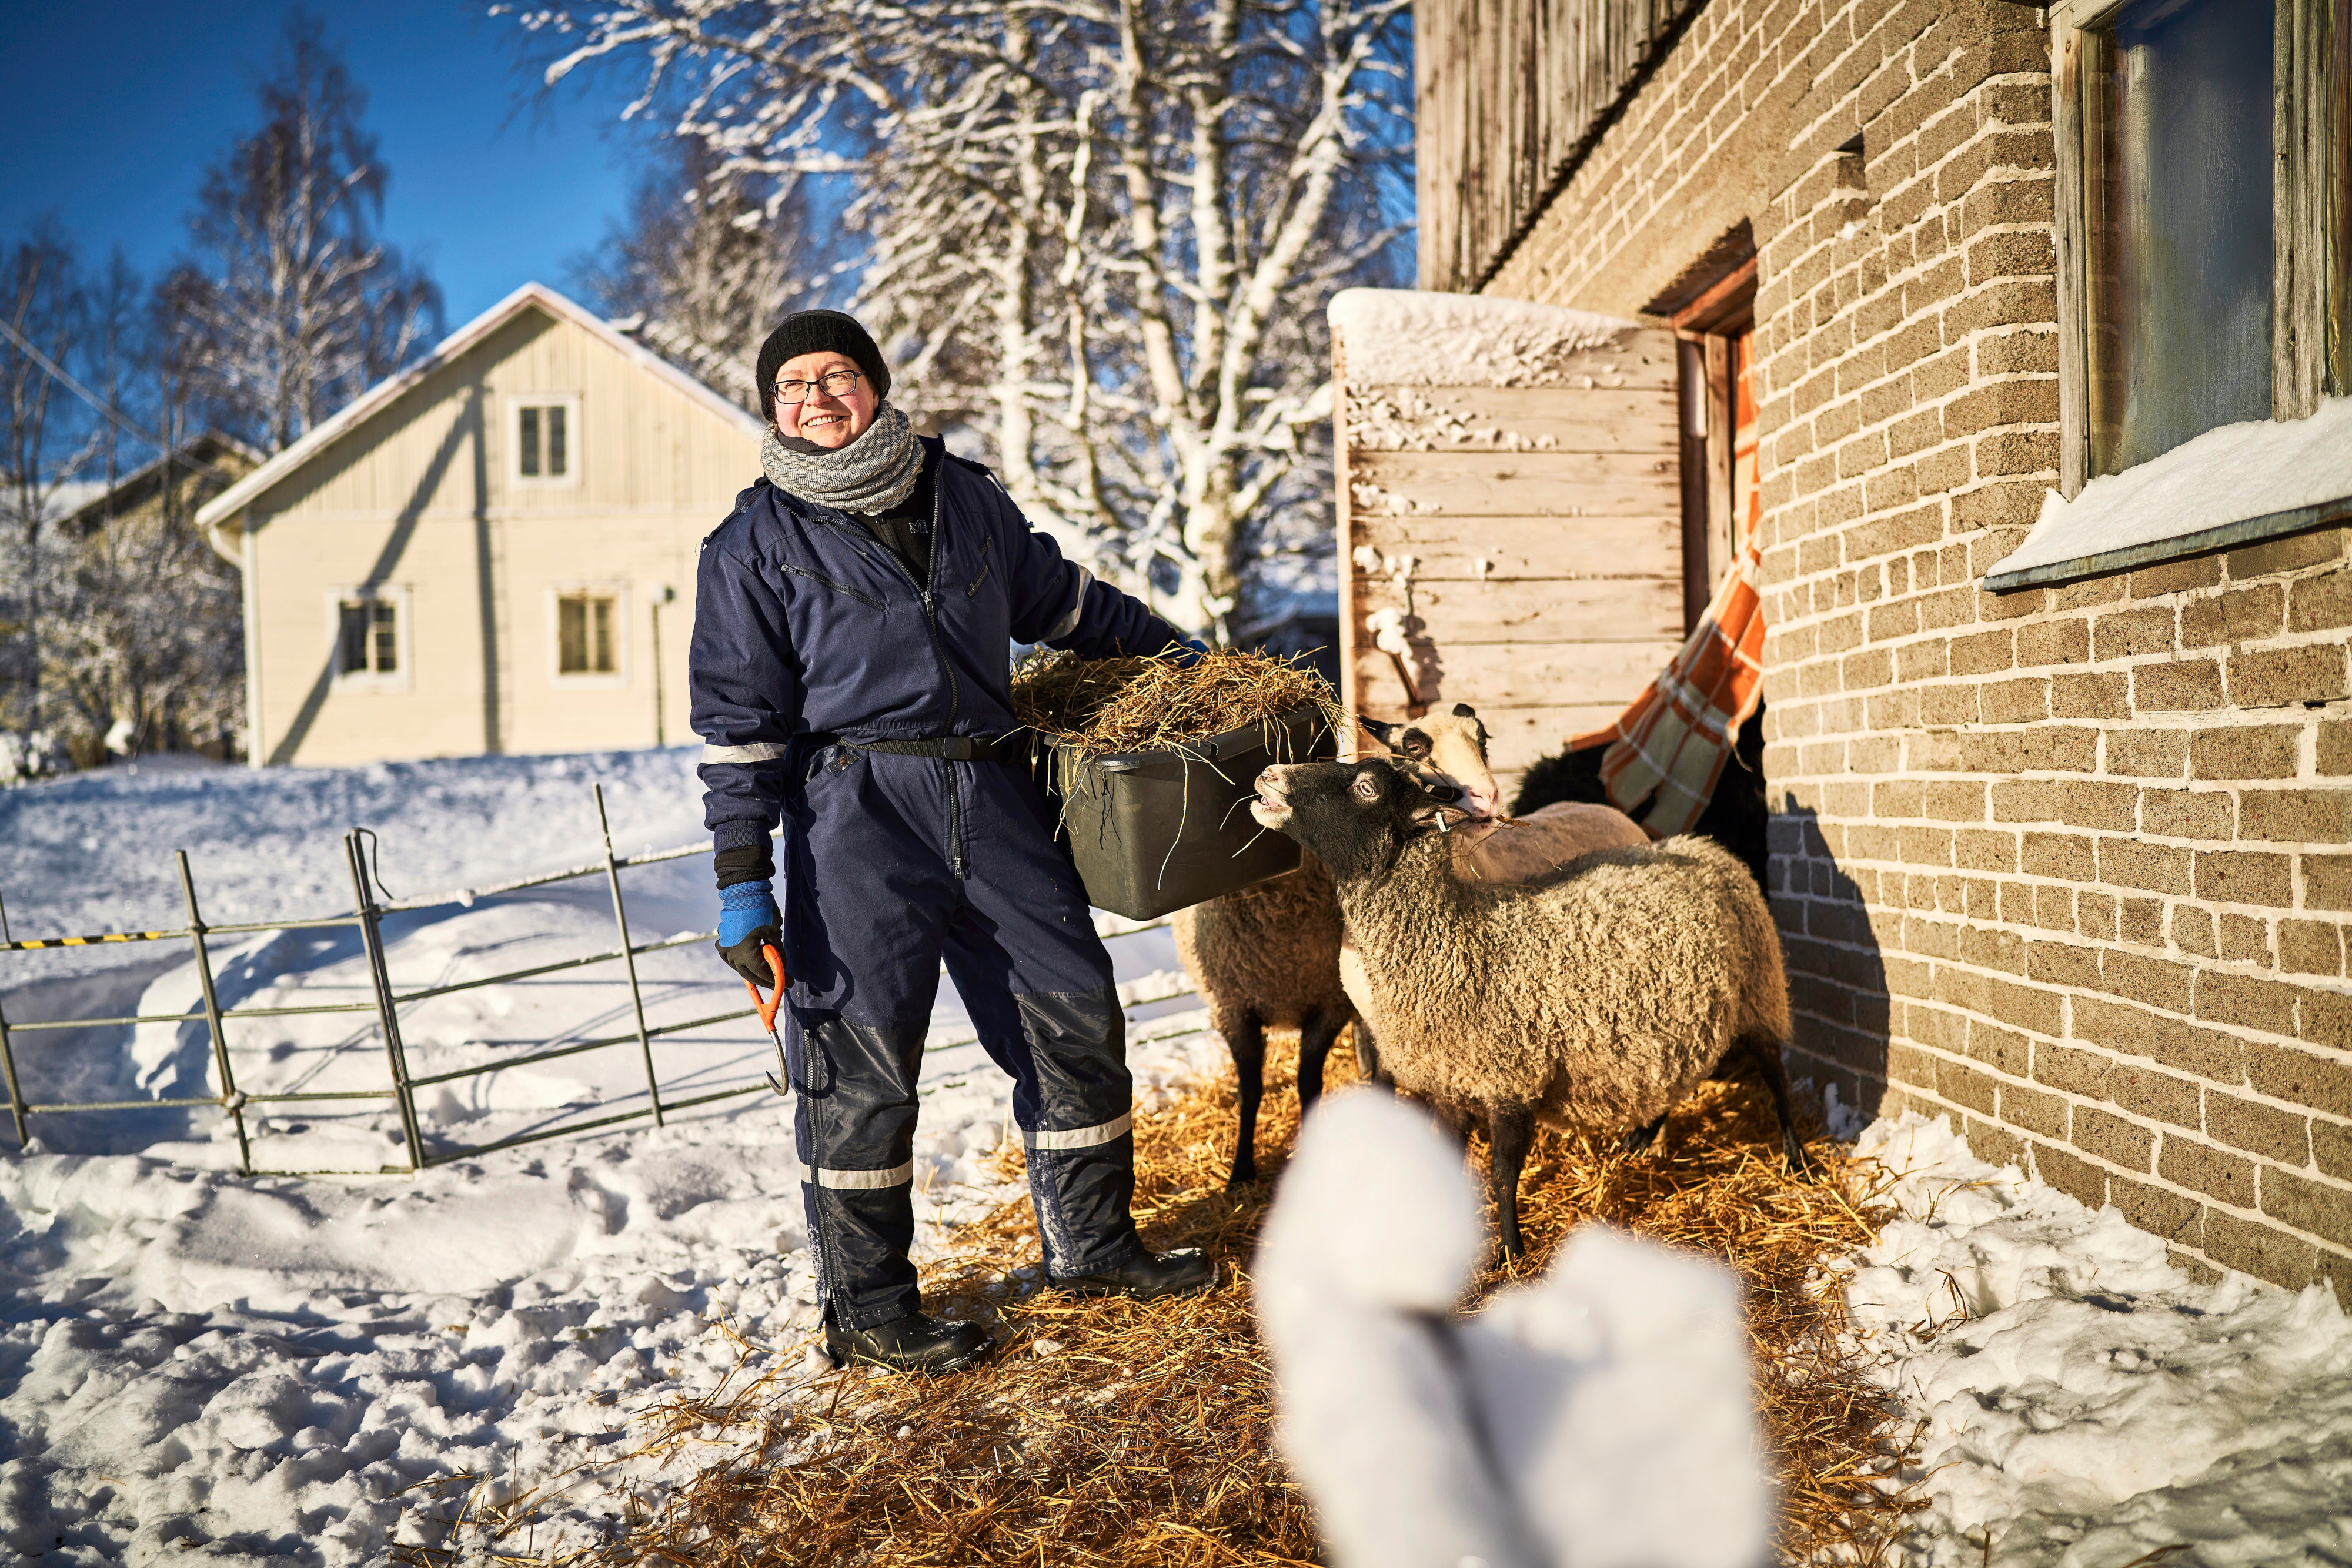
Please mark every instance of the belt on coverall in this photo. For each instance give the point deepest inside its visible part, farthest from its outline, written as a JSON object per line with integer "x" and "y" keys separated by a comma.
{"x": 1013, "y": 747}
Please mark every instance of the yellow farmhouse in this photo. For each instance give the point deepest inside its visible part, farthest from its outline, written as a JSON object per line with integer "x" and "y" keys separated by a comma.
{"x": 493, "y": 551}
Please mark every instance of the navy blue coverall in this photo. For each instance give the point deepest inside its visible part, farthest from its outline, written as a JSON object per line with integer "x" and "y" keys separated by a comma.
{"x": 810, "y": 635}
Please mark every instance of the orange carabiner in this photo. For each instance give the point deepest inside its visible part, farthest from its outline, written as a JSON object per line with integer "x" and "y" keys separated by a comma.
{"x": 766, "y": 1006}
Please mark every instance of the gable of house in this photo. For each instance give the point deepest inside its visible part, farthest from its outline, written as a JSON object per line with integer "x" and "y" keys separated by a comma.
{"x": 493, "y": 552}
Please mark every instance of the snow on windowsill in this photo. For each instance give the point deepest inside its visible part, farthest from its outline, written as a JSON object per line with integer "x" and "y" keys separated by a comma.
{"x": 2232, "y": 485}
{"x": 1411, "y": 337}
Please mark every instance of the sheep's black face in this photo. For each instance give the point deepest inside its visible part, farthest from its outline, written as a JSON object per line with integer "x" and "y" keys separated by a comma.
{"x": 1355, "y": 816}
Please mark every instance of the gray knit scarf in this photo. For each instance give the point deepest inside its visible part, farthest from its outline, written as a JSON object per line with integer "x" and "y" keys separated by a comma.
{"x": 871, "y": 475}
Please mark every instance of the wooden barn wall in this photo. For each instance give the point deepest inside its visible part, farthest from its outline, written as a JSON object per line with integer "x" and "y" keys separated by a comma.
{"x": 1506, "y": 92}
{"x": 1529, "y": 539}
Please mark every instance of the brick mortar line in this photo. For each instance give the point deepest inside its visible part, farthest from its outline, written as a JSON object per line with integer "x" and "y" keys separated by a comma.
{"x": 2162, "y": 1184}
{"x": 2071, "y": 993}
{"x": 2308, "y": 1171}
{"x": 2311, "y": 1173}
{"x": 2163, "y": 1130}
{"x": 2333, "y": 984}
{"x": 2286, "y": 637}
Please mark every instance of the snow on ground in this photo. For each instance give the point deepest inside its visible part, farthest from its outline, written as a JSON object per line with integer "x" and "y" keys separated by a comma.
{"x": 2086, "y": 1404}
{"x": 283, "y": 1369}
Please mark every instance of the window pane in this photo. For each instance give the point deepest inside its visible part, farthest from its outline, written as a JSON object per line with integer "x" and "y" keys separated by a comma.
{"x": 2178, "y": 191}
{"x": 529, "y": 448}
{"x": 604, "y": 608}
{"x": 387, "y": 638}
{"x": 570, "y": 635}
{"x": 352, "y": 656}
{"x": 555, "y": 469}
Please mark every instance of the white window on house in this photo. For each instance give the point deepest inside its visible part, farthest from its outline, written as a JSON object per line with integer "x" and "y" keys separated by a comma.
{"x": 586, "y": 634}
{"x": 546, "y": 436}
{"x": 2204, "y": 229}
{"x": 370, "y": 626}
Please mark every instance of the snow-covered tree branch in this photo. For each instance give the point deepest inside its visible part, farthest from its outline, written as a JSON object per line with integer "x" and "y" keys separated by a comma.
{"x": 1097, "y": 233}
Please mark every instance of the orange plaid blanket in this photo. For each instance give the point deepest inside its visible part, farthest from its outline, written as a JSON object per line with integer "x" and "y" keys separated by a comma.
{"x": 1673, "y": 741}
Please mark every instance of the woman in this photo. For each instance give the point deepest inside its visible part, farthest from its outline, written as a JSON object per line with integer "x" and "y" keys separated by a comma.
{"x": 849, "y": 673}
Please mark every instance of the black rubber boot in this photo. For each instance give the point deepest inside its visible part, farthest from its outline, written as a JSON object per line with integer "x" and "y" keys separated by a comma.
{"x": 1147, "y": 1278}
{"x": 916, "y": 1343}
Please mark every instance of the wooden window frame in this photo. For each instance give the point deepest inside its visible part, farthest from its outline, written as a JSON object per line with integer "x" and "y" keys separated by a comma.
{"x": 402, "y": 677}
{"x": 570, "y": 404}
{"x": 1703, "y": 400}
{"x": 618, "y": 675}
{"x": 2308, "y": 165}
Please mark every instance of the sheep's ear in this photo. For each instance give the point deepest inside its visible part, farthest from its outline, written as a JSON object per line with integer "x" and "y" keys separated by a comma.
{"x": 1463, "y": 710}
{"x": 1382, "y": 732}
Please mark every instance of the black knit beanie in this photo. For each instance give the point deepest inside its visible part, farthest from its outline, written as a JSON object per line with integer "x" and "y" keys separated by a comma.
{"x": 816, "y": 333}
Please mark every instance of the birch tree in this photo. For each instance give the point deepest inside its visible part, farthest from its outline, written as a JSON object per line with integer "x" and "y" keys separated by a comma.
{"x": 1100, "y": 231}
{"x": 46, "y": 307}
{"x": 704, "y": 264}
{"x": 304, "y": 306}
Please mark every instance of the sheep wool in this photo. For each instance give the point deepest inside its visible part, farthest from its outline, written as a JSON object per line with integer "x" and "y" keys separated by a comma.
{"x": 1593, "y": 1001}
{"x": 1601, "y": 998}
{"x": 1269, "y": 954}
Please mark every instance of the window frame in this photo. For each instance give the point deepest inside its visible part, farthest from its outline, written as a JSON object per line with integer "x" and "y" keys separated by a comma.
{"x": 2303, "y": 109}
{"x": 578, "y": 680}
{"x": 399, "y": 596}
{"x": 572, "y": 452}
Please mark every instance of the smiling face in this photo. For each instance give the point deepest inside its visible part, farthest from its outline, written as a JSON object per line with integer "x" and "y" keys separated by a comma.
{"x": 830, "y": 422}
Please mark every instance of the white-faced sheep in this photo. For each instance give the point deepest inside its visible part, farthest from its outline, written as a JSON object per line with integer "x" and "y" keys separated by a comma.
{"x": 1594, "y": 1002}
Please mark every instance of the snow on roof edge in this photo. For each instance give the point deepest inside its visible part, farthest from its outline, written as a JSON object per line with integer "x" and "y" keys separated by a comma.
{"x": 237, "y": 496}
{"x": 2233, "y": 485}
{"x": 1411, "y": 337}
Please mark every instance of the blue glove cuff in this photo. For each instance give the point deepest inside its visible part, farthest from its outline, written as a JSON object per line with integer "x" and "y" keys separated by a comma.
{"x": 743, "y": 908}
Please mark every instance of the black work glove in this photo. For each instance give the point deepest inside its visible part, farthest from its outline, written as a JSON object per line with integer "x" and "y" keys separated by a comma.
{"x": 748, "y": 922}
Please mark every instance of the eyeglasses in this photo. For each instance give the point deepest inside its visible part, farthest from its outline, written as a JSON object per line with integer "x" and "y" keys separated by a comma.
{"x": 832, "y": 383}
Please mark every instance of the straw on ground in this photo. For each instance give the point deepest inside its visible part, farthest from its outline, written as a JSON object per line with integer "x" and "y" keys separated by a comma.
{"x": 1110, "y": 1432}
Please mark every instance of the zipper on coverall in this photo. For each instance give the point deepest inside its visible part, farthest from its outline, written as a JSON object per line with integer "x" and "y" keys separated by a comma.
{"x": 928, "y": 589}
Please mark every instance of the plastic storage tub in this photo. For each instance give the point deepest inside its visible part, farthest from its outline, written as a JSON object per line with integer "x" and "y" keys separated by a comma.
{"x": 1153, "y": 831}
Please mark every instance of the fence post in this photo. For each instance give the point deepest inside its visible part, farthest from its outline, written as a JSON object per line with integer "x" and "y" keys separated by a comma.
{"x": 386, "y": 1013}
{"x": 231, "y": 1101}
{"x": 16, "y": 1095}
{"x": 8, "y": 1053}
{"x": 621, "y": 919}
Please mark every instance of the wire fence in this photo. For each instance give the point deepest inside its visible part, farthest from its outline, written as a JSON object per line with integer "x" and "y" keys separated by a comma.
{"x": 386, "y": 1003}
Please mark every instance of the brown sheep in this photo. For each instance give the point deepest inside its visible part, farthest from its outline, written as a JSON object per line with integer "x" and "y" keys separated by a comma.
{"x": 1268, "y": 953}
{"x": 1594, "y": 1002}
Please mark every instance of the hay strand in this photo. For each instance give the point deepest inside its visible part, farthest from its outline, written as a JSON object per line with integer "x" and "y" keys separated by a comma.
{"x": 1101, "y": 706}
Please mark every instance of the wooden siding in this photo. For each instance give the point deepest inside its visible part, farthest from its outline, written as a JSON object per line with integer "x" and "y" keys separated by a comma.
{"x": 1507, "y": 92}
{"x": 1544, "y": 530}
{"x": 423, "y": 501}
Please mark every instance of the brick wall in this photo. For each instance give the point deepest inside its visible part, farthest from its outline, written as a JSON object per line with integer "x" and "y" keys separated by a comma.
{"x": 2072, "y": 864}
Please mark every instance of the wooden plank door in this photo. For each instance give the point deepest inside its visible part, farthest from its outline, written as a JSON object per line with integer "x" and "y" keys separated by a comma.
{"x": 1509, "y": 514}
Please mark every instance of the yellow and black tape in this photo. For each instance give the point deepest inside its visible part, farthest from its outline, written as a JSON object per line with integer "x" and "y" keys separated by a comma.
{"x": 86, "y": 941}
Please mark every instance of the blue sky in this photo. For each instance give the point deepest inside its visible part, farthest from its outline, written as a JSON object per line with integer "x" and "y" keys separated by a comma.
{"x": 110, "y": 110}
